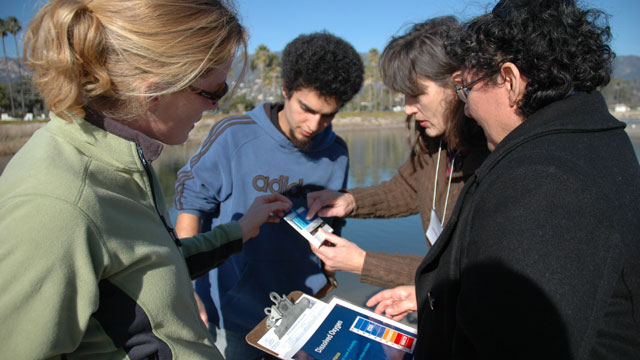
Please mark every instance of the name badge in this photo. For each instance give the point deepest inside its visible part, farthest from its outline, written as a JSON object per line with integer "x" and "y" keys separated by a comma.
{"x": 435, "y": 228}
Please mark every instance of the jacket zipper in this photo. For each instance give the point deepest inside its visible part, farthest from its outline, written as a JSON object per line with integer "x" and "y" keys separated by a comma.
{"x": 170, "y": 230}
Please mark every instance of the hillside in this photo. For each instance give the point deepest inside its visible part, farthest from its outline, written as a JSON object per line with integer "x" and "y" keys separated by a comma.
{"x": 627, "y": 67}
{"x": 14, "y": 64}
{"x": 624, "y": 67}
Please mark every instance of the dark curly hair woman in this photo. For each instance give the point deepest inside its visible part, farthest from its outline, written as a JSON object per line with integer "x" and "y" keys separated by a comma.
{"x": 541, "y": 257}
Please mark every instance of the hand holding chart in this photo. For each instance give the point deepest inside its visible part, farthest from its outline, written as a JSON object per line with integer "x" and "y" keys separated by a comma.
{"x": 308, "y": 228}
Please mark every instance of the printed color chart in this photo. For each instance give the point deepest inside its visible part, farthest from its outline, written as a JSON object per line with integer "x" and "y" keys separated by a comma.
{"x": 383, "y": 334}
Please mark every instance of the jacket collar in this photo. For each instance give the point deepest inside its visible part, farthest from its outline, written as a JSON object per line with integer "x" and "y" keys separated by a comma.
{"x": 150, "y": 147}
{"x": 101, "y": 145}
{"x": 581, "y": 112}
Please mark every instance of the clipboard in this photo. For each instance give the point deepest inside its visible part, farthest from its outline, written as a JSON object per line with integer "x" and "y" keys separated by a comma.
{"x": 261, "y": 329}
{"x": 313, "y": 329}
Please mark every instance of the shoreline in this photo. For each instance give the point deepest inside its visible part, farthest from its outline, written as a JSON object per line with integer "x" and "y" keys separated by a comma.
{"x": 350, "y": 122}
{"x": 14, "y": 135}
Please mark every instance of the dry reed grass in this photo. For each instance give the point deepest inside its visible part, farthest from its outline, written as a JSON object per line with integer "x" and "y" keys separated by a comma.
{"x": 14, "y": 135}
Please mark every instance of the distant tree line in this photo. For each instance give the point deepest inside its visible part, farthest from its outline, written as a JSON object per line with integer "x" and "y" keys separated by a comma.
{"x": 266, "y": 85}
{"x": 374, "y": 95}
{"x": 620, "y": 91}
{"x": 19, "y": 97}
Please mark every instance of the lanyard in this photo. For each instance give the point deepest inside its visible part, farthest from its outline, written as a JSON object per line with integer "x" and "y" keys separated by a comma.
{"x": 435, "y": 184}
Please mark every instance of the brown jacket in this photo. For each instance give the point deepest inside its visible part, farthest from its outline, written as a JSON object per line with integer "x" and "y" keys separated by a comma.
{"x": 410, "y": 192}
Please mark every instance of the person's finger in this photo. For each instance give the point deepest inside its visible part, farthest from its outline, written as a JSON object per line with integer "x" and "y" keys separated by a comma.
{"x": 277, "y": 206}
{"x": 327, "y": 242}
{"x": 399, "y": 317}
{"x": 382, "y": 306}
{"x": 396, "y": 308}
{"x": 376, "y": 298}
{"x": 312, "y": 196}
{"x": 321, "y": 251}
{"x": 381, "y": 300}
{"x": 401, "y": 308}
{"x": 329, "y": 238}
{"x": 332, "y": 238}
{"x": 314, "y": 204}
{"x": 275, "y": 197}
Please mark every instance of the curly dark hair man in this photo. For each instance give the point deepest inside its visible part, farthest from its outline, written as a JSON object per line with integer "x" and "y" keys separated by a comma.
{"x": 541, "y": 257}
{"x": 287, "y": 147}
{"x": 322, "y": 62}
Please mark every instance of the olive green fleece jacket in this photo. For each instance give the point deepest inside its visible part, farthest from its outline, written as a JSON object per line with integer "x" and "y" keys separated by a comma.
{"x": 88, "y": 269}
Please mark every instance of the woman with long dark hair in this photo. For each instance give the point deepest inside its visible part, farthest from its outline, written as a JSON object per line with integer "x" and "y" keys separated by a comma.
{"x": 446, "y": 150}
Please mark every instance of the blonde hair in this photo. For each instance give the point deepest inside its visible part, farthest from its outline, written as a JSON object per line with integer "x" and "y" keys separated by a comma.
{"x": 105, "y": 53}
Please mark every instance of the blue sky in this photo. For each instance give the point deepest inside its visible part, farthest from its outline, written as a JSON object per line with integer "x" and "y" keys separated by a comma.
{"x": 365, "y": 23}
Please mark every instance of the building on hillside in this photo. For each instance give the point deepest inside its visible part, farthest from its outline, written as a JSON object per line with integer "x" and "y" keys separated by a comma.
{"x": 6, "y": 117}
{"x": 621, "y": 108}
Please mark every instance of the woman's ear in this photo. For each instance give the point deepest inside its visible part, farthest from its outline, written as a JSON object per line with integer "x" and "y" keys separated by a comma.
{"x": 515, "y": 82}
{"x": 150, "y": 103}
{"x": 456, "y": 78}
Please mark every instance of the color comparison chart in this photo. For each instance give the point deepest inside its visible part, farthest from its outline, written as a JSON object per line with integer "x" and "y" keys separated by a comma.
{"x": 383, "y": 334}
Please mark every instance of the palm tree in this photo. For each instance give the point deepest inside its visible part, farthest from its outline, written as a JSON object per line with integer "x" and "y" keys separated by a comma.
{"x": 260, "y": 59}
{"x": 265, "y": 62}
{"x": 273, "y": 71}
{"x": 372, "y": 77}
{"x": 3, "y": 31}
{"x": 14, "y": 26}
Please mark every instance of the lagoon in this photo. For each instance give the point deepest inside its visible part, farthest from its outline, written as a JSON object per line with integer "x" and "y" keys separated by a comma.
{"x": 375, "y": 154}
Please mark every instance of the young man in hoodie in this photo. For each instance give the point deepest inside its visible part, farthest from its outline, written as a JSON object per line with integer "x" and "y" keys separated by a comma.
{"x": 289, "y": 148}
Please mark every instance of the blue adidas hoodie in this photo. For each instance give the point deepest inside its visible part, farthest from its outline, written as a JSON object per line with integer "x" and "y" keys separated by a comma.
{"x": 241, "y": 158}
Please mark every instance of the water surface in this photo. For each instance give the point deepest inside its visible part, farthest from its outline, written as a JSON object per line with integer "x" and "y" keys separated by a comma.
{"x": 375, "y": 154}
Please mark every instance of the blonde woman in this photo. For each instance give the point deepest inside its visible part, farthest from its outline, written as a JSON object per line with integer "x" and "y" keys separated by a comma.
{"x": 90, "y": 264}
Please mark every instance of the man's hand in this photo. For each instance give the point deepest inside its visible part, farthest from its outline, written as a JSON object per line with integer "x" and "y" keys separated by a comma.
{"x": 340, "y": 254}
{"x": 395, "y": 303}
{"x": 329, "y": 203}
{"x": 266, "y": 208}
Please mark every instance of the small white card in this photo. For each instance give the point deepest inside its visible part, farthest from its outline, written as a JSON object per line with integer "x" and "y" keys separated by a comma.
{"x": 308, "y": 228}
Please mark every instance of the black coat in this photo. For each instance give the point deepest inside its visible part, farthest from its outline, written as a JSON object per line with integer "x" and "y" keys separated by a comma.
{"x": 541, "y": 257}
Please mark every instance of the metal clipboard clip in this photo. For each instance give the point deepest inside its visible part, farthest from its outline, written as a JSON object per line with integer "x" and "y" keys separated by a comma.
{"x": 284, "y": 313}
